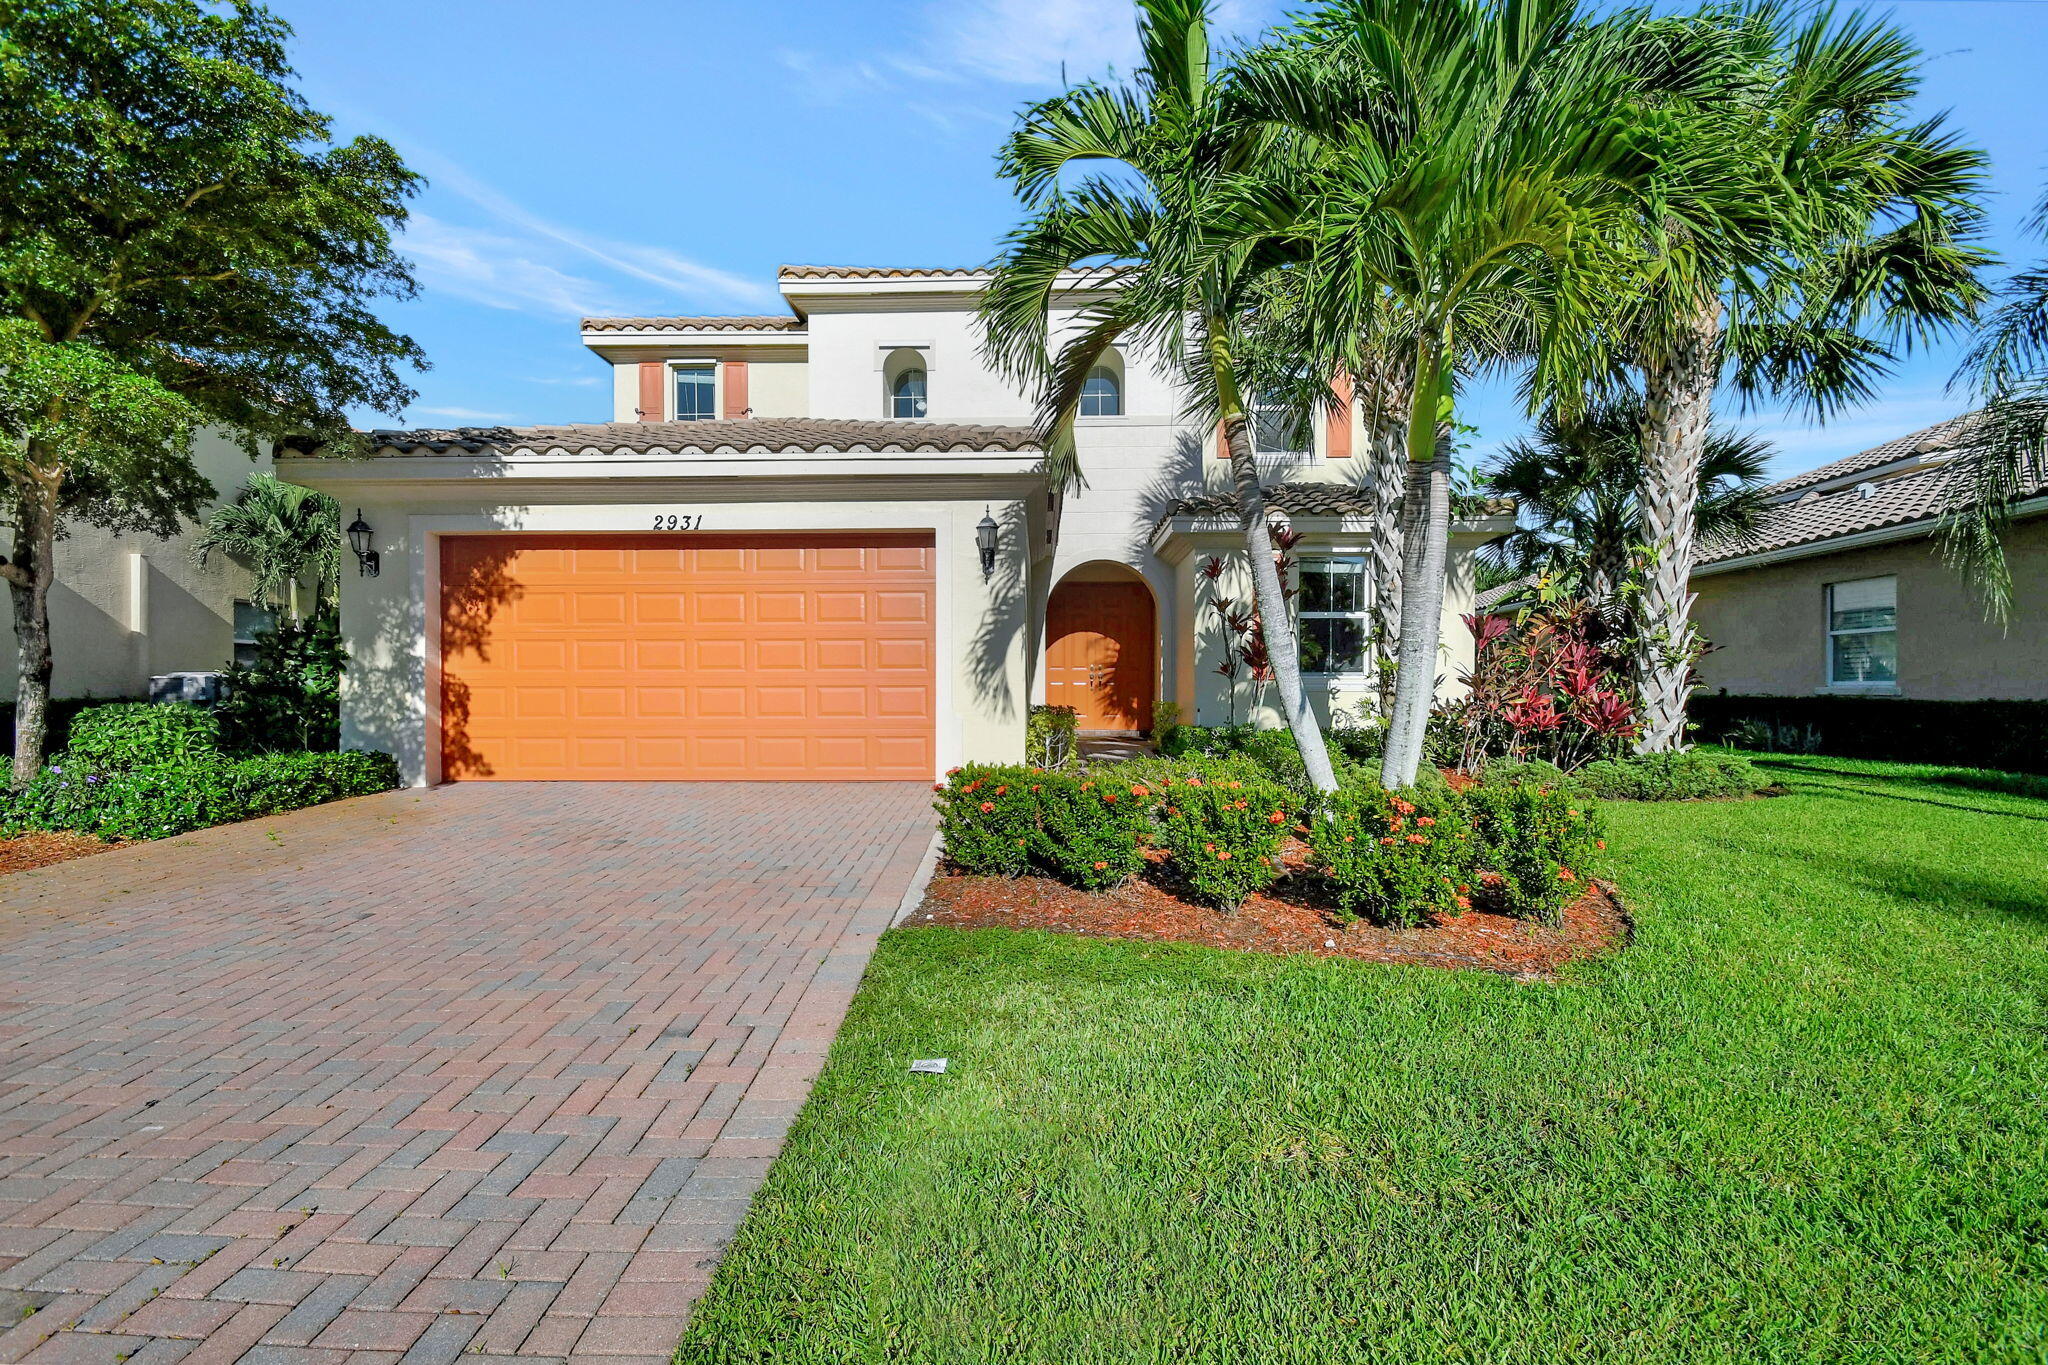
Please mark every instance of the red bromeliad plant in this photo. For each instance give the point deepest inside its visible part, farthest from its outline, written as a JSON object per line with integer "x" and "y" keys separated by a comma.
{"x": 1546, "y": 685}
{"x": 1242, "y": 632}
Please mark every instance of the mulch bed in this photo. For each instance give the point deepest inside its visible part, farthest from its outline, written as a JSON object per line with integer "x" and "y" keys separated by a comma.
{"x": 25, "y": 851}
{"x": 1285, "y": 920}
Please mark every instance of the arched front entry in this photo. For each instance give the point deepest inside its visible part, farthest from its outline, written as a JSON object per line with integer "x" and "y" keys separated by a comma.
{"x": 1102, "y": 647}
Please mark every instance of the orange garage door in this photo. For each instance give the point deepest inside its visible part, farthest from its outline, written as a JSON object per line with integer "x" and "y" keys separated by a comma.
{"x": 686, "y": 657}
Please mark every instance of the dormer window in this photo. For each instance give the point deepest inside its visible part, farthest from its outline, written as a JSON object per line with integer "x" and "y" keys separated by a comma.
{"x": 696, "y": 393}
{"x": 1102, "y": 393}
{"x": 906, "y": 393}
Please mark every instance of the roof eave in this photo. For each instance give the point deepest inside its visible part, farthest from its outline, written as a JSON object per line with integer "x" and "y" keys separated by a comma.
{"x": 1853, "y": 540}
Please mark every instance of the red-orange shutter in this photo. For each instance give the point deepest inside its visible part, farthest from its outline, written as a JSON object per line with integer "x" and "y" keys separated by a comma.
{"x": 653, "y": 402}
{"x": 735, "y": 388}
{"x": 1337, "y": 425}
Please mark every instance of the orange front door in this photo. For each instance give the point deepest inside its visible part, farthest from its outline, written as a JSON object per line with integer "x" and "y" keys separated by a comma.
{"x": 1099, "y": 653}
{"x": 687, "y": 656}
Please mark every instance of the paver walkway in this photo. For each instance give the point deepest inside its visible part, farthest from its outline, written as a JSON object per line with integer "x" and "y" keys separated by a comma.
{"x": 488, "y": 1069}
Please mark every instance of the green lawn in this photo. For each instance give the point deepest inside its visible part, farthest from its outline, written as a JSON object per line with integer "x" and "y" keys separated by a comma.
{"x": 1804, "y": 1117}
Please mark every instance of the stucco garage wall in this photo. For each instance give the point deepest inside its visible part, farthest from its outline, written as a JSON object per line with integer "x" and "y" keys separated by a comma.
{"x": 1769, "y": 623}
{"x": 390, "y": 693}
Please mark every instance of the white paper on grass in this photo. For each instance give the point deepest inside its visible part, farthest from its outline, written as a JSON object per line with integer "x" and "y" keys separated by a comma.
{"x": 935, "y": 1066}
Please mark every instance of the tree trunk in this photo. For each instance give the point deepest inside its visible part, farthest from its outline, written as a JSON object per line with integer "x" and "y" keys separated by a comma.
{"x": 29, "y": 572}
{"x": 1425, "y": 554}
{"x": 1386, "y": 440}
{"x": 1678, "y": 391}
{"x": 1282, "y": 650}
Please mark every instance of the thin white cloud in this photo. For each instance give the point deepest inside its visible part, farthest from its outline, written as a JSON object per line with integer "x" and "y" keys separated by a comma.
{"x": 581, "y": 381}
{"x": 498, "y": 271}
{"x": 461, "y": 414}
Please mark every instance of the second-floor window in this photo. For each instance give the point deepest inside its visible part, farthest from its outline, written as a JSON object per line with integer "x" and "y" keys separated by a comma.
{"x": 906, "y": 395}
{"x": 1333, "y": 606}
{"x": 696, "y": 393}
{"x": 1101, "y": 394}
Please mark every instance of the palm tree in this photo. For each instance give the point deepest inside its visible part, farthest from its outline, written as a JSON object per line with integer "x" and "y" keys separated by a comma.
{"x": 1839, "y": 227}
{"x": 2008, "y": 459}
{"x": 1578, "y": 483}
{"x": 1472, "y": 174}
{"x": 1178, "y": 284}
{"x": 284, "y": 534}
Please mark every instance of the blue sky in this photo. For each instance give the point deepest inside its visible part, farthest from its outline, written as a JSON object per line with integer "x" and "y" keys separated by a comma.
{"x": 635, "y": 156}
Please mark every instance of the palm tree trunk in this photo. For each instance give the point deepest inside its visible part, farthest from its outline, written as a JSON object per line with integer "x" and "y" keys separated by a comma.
{"x": 1678, "y": 389}
{"x": 1282, "y": 650}
{"x": 30, "y": 572}
{"x": 1386, "y": 438}
{"x": 1425, "y": 561}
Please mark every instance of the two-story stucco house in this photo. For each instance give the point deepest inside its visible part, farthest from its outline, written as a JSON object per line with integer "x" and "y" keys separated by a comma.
{"x": 820, "y": 545}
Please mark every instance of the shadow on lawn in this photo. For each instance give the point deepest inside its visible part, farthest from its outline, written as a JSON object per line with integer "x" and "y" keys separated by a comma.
{"x": 1937, "y": 888}
{"x": 2005, "y": 784}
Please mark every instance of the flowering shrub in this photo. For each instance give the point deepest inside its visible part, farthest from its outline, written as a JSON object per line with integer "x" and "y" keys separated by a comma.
{"x": 1394, "y": 856}
{"x": 1088, "y": 828}
{"x": 122, "y": 735}
{"x": 988, "y": 814}
{"x": 1222, "y": 824}
{"x": 1535, "y": 843}
{"x": 163, "y": 799}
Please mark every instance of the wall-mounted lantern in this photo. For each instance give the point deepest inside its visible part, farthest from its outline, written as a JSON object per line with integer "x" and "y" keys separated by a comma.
{"x": 367, "y": 561}
{"x": 986, "y": 537}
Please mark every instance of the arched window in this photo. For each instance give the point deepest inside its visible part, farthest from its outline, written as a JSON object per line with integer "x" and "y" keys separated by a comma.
{"x": 1102, "y": 393}
{"x": 906, "y": 394}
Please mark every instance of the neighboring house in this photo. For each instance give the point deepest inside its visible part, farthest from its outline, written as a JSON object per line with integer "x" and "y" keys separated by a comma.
{"x": 128, "y": 607}
{"x": 1842, "y": 589}
{"x": 770, "y": 564}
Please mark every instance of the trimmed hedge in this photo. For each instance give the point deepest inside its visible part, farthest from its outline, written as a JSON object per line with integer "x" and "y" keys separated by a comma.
{"x": 1395, "y": 856}
{"x": 157, "y": 801}
{"x": 122, "y": 736}
{"x": 1694, "y": 775}
{"x": 2008, "y": 735}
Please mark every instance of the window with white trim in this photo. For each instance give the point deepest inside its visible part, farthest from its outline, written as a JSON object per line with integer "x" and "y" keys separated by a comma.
{"x": 1332, "y": 609}
{"x": 1863, "y": 633}
{"x": 906, "y": 395}
{"x": 1102, "y": 393}
{"x": 251, "y": 620}
{"x": 696, "y": 393}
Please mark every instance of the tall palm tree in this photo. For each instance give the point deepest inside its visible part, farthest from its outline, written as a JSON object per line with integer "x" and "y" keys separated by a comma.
{"x": 284, "y": 534}
{"x": 1578, "y": 480}
{"x": 2007, "y": 367}
{"x": 1842, "y": 228}
{"x": 1178, "y": 284}
{"x": 1472, "y": 172}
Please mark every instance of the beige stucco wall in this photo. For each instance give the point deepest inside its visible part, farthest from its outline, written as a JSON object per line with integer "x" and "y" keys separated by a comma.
{"x": 1769, "y": 623}
{"x": 390, "y": 700}
{"x": 126, "y": 607}
{"x": 778, "y": 388}
{"x": 1204, "y": 694}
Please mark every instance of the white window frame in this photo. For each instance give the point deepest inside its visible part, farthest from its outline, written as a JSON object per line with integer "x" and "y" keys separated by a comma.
{"x": 1116, "y": 377}
{"x": 238, "y": 640}
{"x": 668, "y": 397}
{"x": 889, "y": 395}
{"x": 1828, "y": 634}
{"x": 1363, "y": 615}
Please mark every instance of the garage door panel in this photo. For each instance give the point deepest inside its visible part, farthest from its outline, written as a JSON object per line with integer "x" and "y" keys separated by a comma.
{"x": 686, "y": 656}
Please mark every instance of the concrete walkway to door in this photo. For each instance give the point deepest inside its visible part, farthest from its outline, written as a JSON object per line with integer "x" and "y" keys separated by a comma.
{"x": 487, "y": 1069}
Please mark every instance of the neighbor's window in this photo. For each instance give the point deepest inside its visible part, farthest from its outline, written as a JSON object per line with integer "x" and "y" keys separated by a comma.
{"x": 696, "y": 393}
{"x": 1333, "y": 606}
{"x": 906, "y": 395}
{"x": 1863, "y": 633}
{"x": 1101, "y": 393}
{"x": 250, "y": 621}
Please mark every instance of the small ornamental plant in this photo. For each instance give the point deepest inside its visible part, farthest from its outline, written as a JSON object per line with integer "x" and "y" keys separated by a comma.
{"x": 1536, "y": 843}
{"x": 988, "y": 814}
{"x": 1397, "y": 857}
{"x": 1222, "y": 826}
{"x": 1086, "y": 834}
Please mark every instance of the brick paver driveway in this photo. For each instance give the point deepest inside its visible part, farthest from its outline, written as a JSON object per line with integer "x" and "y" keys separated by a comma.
{"x": 492, "y": 1068}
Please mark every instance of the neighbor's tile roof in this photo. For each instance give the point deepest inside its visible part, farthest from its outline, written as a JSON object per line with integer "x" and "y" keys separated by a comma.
{"x": 1494, "y": 596}
{"x": 778, "y": 323}
{"x": 909, "y": 272}
{"x": 1806, "y": 514}
{"x": 772, "y": 434}
{"x": 1305, "y": 499}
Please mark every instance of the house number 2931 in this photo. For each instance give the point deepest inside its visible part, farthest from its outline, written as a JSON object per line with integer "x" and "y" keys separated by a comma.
{"x": 678, "y": 521}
